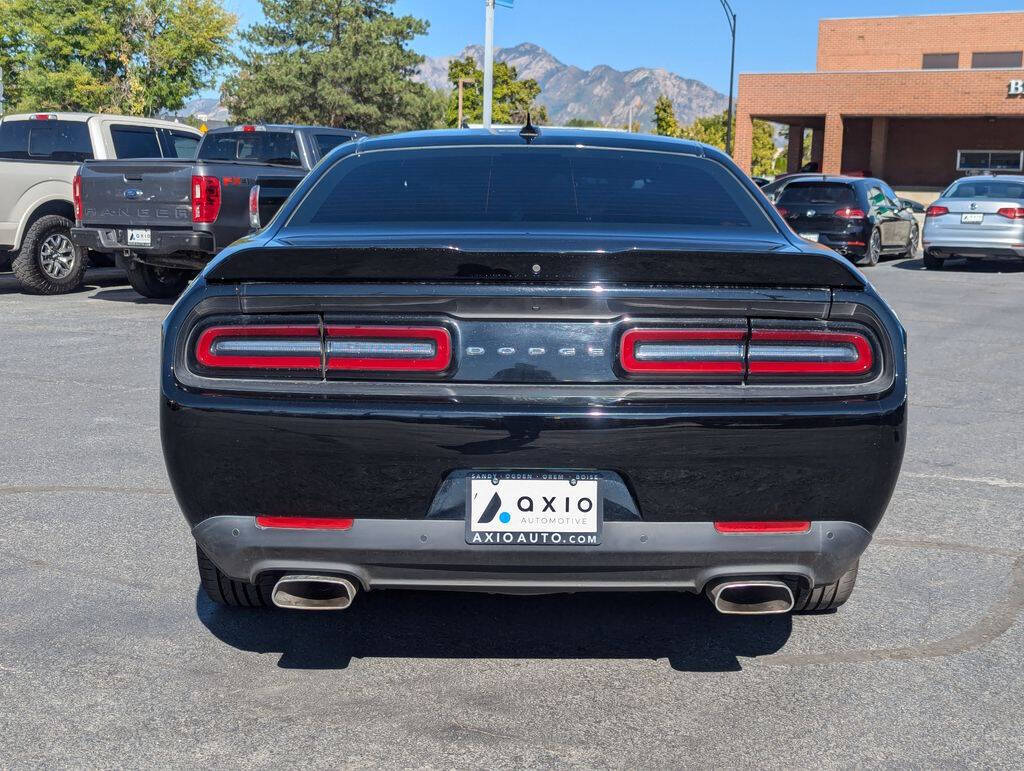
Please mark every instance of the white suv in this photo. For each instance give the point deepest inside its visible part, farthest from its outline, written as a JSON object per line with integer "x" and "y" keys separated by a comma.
{"x": 39, "y": 158}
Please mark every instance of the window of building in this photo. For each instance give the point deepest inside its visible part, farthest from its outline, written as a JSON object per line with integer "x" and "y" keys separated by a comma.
{"x": 989, "y": 160}
{"x": 997, "y": 60}
{"x": 940, "y": 61}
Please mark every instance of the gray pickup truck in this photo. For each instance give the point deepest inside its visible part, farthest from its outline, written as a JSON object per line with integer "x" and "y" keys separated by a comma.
{"x": 163, "y": 220}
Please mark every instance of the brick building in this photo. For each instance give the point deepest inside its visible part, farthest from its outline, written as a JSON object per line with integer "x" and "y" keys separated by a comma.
{"x": 917, "y": 100}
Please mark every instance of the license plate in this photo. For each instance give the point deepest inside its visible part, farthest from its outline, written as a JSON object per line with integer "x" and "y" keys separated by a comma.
{"x": 971, "y": 219}
{"x": 533, "y": 509}
{"x": 139, "y": 237}
{"x": 810, "y": 236}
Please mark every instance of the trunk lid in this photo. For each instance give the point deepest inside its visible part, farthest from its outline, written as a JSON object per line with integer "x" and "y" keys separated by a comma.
{"x": 137, "y": 193}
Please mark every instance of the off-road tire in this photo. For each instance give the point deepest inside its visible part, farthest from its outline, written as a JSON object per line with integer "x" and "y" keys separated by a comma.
{"x": 227, "y": 591}
{"x": 931, "y": 262}
{"x": 828, "y": 596}
{"x": 28, "y": 265}
{"x": 156, "y": 283}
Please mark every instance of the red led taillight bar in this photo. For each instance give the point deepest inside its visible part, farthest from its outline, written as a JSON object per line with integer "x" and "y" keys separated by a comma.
{"x": 388, "y": 349}
{"x": 684, "y": 351}
{"x": 305, "y": 523}
{"x": 764, "y": 526}
{"x": 809, "y": 352}
{"x": 269, "y": 346}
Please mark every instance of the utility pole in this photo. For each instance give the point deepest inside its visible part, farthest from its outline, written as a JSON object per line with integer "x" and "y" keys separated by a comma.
{"x": 462, "y": 82}
{"x": 629, "y": 128}
{"x": 730, "y": 16}
{"x": 488, "y": 63}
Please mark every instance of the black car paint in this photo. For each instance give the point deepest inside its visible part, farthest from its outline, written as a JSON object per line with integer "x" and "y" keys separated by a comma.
{"x": 384, "y": 450}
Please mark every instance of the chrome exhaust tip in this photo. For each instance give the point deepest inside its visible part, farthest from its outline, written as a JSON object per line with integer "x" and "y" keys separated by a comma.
{"x": 751, "y": 597}
{"x": 298, "y": 592}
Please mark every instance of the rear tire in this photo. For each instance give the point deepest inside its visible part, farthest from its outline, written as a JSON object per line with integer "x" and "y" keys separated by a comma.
{"x": 931, "y": 262}
{"x": 915, "y": 234}
{"x": 48, "y": 262}
{"x": 224, "y": 590}
{"x": 156, "y": 283}
{"x": 874, "y": 251}
{"x": 827, "y": 596}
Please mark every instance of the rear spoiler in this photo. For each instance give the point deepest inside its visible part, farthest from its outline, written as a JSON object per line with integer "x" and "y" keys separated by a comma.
{"x": 438, "y": 264}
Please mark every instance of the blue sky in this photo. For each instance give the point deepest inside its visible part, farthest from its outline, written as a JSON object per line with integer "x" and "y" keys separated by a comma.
{"x": 688, "y": 37}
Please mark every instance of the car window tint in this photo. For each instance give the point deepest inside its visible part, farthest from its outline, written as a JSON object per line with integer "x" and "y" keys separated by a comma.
{"x": 327, "y": 142}
{"x": 178, "y": 144}
{"x": 997, "y": 189}
{"x": 53, "y": 140}
{"x": 817, "y": 193}
{"x": 262, "y": 146}
{"x": 543, "y": 185}
{"x": 135, "y": 142}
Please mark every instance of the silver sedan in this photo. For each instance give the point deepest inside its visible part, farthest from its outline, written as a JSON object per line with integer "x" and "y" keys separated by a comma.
{"x": 976, "y": 217}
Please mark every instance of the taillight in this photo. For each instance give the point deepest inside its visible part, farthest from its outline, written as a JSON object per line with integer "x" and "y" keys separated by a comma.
{"x": 694, "y": 351}
{"x": 248, "y": 129}
{"x": 849, "y": 213}
{"x": 935, "y": 211}
{"x": 809, "y": 352}
{"x": 306, "y": 523}
{"x": 254, "y": 207}
{"x": 205, "y": 198}
{"x": 1012, "y": 212}
{"x": 266, "y": 347}
{"x": 44, "y": 116}
{"x": 759, "y": 526}
{"x": 76, "y": 196}
{"x": 388, "y": 349}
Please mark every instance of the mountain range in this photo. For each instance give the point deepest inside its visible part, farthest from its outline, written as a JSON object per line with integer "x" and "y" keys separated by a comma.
{"x": 602, "y": 94}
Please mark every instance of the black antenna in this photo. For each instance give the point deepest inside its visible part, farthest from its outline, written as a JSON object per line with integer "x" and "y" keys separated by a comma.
{"x": 529, "y": 132}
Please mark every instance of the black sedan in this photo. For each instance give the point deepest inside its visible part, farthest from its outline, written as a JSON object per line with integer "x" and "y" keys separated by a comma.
{"x": 531, "y": 362}
{"x": 861, "y": 218}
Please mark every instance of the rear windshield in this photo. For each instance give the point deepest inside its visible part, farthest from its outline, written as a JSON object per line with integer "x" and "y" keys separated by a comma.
{"x": 546, "y": 186}
{"x": 998, "y": 189}
{"x": 45, "y": 140}
{"x": 807, "y": 193}
{"x": 263, "y": 146}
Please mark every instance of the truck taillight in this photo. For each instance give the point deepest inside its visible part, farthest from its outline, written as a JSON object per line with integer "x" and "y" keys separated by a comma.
{"x": 205, "y": 198}
{"x": 388, "y": 349}
{"x": 261, "y": 347}
{"x": 685, "y": 351}
{"x": 76, "y": 196}
{"x": 794, "y": 352}
{"x": 254, "y": 207}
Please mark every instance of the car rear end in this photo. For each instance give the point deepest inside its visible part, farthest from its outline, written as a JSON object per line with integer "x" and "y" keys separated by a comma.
{"x": 828, "y": 212}
{"x": 480, "y": 364}
{"x": 977, "y": 217}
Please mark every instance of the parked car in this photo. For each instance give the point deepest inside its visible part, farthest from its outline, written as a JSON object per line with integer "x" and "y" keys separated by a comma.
{"x": 776, "y": 186}
{"x": 976, "y": 217}
{"x": 165, "y": 220}
{"x": 861, "y": 218}
{"x": 544, "y": 361}
{"x": 39, "y": 157}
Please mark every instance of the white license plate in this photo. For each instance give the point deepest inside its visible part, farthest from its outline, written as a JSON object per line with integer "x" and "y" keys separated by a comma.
{"x": 140, "y": 237}
{"x": 533, "y": 509}
{"x": 810, "y": 236}
{"x": 972, "y": 219}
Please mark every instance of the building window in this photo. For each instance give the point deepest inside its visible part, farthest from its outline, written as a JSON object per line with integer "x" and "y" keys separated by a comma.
{"x": 940, "y": 61}
{"x": 989, "y": 160}
{"x": 996, "y": 60}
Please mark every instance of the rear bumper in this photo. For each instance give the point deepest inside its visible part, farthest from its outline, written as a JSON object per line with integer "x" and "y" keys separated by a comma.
{"x": 636, "y": 556}
{"x": 164, "y": 242}
{"x": 942, "y": 243}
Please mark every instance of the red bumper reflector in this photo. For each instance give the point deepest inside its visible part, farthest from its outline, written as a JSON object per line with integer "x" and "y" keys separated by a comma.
{"x": 799, "y": 352}
{"x": 388, "y": 349}
{"x": 683, "y": 351}
{"x": 260, "y": 347}
{"x": 758, "y": 526}
{"x": 305, "y": 523}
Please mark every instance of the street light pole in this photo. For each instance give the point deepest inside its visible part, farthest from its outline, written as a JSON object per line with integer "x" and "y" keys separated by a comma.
{"x": 488, "y": 63}
{"x": 730, "y": 16}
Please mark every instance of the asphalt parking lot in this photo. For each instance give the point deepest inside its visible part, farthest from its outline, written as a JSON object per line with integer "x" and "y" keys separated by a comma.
{"x": 110, "y": 657}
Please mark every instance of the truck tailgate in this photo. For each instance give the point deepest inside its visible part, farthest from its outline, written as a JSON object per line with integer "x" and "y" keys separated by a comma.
{"x": 137, "y": 193}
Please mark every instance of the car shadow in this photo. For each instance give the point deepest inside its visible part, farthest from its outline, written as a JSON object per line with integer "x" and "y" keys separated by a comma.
{"x": 95, "y": 278}
{"x": 963, "y": 265}
{"x": 129, "y": 295}
{"x": 682, "y": 628}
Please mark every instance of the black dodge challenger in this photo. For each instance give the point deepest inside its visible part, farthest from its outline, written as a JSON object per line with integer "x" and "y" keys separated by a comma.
{"x": 531, "y": 361}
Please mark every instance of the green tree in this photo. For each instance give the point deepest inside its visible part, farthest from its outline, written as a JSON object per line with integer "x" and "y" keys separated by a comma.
{"x": 711, "y": 131}
{"x": 583, "y": 123}
{"x": 513, "y": 98}
{"x": 331, "y": 62}
{"x": 138, "y": 57}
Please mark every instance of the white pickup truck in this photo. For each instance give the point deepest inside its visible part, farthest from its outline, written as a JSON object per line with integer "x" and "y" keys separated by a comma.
{"x": 39, "y": 158}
